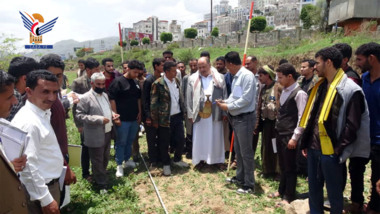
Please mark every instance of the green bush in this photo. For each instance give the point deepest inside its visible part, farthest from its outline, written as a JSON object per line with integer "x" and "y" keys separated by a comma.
{"x": 268, "y": 29}
{"x": 190, "y": 33}
{"x": 173, "y": 46}
{"x": 186, "y": 55}
{"x": 146, "y": 41}
{"x": 124, "y": 43}
{"x": 310, "y": 15}
{"x": 166, "y": 37}
{"x": 215, "y": 32}
{"x": 134, "y": 43}
{"x": 258, "y": 23}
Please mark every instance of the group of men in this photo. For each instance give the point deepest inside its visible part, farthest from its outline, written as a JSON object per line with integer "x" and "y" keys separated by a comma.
{"x": 309, "y": 125}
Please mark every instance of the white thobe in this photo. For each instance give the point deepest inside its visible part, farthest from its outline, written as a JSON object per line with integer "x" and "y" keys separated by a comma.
{"x": 208, "y": 141}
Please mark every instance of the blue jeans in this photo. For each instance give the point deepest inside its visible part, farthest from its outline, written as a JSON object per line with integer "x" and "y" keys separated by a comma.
{"x": 323, "y": 168}
{"x": 126, "y": 133}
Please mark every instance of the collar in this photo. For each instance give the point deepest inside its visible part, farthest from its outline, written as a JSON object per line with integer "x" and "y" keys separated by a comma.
{"x": 41, "y": 113}
{"x": 168, "y": 81}
{"x": 238, "y": 73}
{"x": 291, "y": 87}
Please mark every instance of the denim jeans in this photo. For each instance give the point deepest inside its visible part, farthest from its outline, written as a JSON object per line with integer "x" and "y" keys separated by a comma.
{"x": 323, "y": 168}
{"x": 126, "y": 133}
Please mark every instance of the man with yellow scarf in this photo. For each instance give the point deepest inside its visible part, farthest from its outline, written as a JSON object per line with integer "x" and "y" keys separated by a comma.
{"x": 336, "y": 123}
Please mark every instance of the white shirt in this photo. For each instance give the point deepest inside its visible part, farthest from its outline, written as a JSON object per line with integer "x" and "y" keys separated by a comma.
{"x": 301, "y": 100}
{"x": 174, "y": 96}
{"x": 102, "y": 100}
{"x": 45, "y": 160}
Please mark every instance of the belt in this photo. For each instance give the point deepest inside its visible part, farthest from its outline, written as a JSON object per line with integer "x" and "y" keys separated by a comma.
{"x": 242, "y": 114}
{"x": 52, "y": 182}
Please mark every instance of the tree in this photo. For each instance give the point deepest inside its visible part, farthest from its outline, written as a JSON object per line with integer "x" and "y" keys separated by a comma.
{"x": 146, "y": 40}
{"x": 7, "y": 50}
{"x": 166, "y": 37}
{"x": 310, "y": 16}
{"x": 124, "y": 43}
{"x": 134, "y": 43}
{"x": 215, "y": 32}
{"x": 258, "y": 23}
{"x": 83, "y": 51}
{"x": 191, "y": 33}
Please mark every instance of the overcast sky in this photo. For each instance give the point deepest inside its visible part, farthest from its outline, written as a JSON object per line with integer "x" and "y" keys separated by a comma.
{"x": 83, "y": 20}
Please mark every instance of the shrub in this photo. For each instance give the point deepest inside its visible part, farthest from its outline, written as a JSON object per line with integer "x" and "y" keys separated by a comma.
{"x": 166, "y": 37}
{"x": 191, "y": 33}
{"x": 215, "y": 32}
{"x": 258, "y": 23}
{"x": 134, "y": 43}
{"x": 146, "y": 41}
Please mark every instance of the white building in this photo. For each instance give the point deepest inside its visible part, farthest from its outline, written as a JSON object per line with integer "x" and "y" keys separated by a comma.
{"x": 202, "y": 28}
{"x": 270, "y": 20}
{"x": 175, "y": 29}
{"x": 151, "y": 26}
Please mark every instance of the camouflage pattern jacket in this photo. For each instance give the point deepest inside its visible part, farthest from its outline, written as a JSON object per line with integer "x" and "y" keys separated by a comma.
{"x": 160, "y": 102}
{"x": 311, "y": 85}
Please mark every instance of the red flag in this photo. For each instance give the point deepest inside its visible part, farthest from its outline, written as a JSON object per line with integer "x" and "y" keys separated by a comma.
{"x": 121, "y": 39}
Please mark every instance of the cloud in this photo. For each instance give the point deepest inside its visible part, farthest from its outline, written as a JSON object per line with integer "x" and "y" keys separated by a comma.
{"x": 93, "y": 19}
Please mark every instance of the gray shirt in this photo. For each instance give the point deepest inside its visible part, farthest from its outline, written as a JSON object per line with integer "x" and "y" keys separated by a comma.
{"x": 243, "y": 93}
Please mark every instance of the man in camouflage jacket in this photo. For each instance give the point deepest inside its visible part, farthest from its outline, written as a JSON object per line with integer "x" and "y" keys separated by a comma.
{"x": 167, "y": 114}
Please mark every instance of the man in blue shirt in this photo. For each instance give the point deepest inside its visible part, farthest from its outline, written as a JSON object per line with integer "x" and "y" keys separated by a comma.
{"x": 368, "y": 59}
{"x": 241, "y": 108}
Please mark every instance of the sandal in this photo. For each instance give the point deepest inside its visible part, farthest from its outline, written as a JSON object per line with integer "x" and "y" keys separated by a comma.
{"x": 282, "y": 203}
{"x": 274, "y": 195}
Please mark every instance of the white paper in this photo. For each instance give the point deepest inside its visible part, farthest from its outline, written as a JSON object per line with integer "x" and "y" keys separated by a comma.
{"x": 274, "y": 145}
{"x": 237, "y": 91}
{"x": 66, "y": 200}
{"x": 14, "y": 141}
{"x": 62, "y": 178}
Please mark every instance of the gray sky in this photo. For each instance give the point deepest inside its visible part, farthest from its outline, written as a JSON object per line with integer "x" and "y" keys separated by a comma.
{"x": 93, "y": 19}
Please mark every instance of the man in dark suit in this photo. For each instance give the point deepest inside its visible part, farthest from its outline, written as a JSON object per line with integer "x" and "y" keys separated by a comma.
{"x": 12, "y": 196}
{"x": 80, "y": 86}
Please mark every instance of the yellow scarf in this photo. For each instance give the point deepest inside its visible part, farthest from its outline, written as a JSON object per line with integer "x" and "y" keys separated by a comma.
{"x": 326, "y": 144}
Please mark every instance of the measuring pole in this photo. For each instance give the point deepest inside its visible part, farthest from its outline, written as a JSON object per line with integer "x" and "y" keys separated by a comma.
{"x": 246, "y": 40}
{"x": 121, "y": 44}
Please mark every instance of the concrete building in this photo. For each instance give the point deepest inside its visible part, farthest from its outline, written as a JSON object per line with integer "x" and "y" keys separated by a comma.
{"x": 286, "y": 18}
{"x": 227, "y": 25}
{"x": 270, "y": 20}
{"x": 351, "y": 14}
{"x": 175, "y": 29}
{"x": 202, "y": 28}
{"x": 151, "y": 25}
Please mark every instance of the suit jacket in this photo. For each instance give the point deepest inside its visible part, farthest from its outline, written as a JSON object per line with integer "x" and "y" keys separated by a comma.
{"x": 161, "y": 102}
{"x": 195, "y": 95}
{"x": 90, "y": 114}
{"x": 12, "y": 196}
{"x": 80, "y": 86}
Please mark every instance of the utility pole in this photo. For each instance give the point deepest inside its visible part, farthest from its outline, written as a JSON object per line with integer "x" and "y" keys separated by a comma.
{"x": 211, "y": 18}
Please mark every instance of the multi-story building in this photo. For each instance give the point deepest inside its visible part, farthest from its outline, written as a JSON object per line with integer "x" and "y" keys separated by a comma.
{"x": 175, "y": 29}
{"x": 227, "y": 24}
{"x": 202, "y": 28}
{"x": 286, "y": 18}
{"x": 151, "y": 25}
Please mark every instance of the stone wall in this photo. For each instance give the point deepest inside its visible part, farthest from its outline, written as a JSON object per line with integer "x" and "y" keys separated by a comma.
{"x": 238, "y": 40}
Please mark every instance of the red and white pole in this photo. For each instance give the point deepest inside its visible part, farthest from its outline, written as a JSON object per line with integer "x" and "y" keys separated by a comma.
{"x": 246, "y": 40}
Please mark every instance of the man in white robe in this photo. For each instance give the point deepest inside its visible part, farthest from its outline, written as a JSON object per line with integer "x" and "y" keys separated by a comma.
{"x": 208, "y": 141}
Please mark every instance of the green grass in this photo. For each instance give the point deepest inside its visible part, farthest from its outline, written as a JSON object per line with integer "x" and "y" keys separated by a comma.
{"x": 287, "y": 48}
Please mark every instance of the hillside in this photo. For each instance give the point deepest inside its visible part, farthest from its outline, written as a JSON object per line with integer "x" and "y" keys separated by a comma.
{"x": 294, "y": 52}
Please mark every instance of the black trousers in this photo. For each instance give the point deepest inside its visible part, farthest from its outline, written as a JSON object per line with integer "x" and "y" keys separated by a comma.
{"x": 374, "y": 203}
{"x": 288, "y": 168}
{"x": 152, "y": 141}
{"x": 173, "y": 135}
{"x": 356, "y": 168}
{"x": 85, "y": 158}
